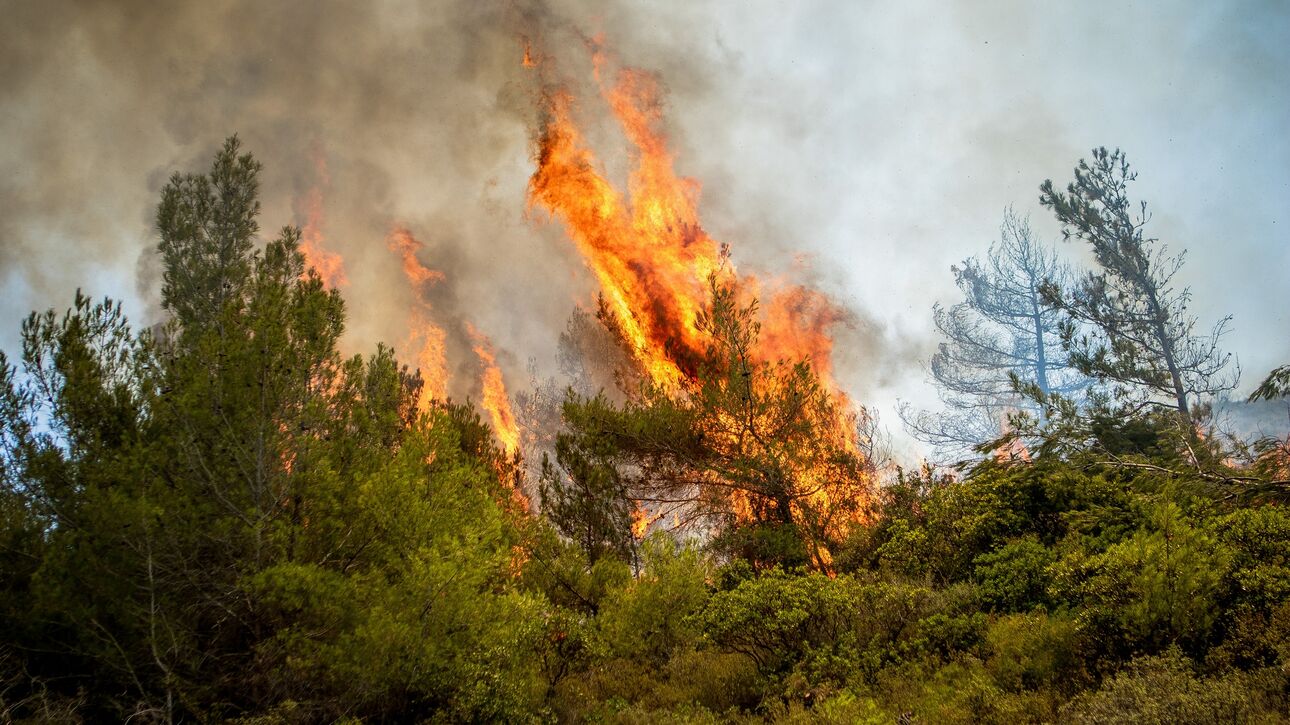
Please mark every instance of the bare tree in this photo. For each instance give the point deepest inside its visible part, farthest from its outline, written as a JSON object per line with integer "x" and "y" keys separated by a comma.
{"x": 1002, "y": 332}
{"x": 1140, "y": 338}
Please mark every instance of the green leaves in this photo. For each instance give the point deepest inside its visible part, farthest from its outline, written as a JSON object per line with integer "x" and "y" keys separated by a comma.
{"x": 1275, "y": 385}
{"x": 1013, "y": 577}
{"x": 1158, "y": 587}
{"x": 207, "y": 225}
{"x": 1142, "y": 344}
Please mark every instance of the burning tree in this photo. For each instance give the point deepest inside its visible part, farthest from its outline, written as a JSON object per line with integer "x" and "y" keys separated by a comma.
{"x": 752, "y": 451}
{"x": 738, "y": 427}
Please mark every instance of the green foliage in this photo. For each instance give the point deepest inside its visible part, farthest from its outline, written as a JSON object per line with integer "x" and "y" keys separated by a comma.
{"x": 1033, "y": 651}
{"x": 648, "y": 620}
{"x": 227, "y": 516}
{"x": 1014, "y": 577}
{"x": 426, "y": 619}
{"x": 223, "y": 519}
{"x": 1141, "y": 340}
{"x": 1165, "y": 689}
{"x": 1155, "y": 588}
{"x": 1259, "y": 542}
{"x": 936, "y": 528}
{"x": 207, "y": 225}
{"x": 584, "y": 495}
{"x": 1275, "y": 385}
{"x": 810, "y": 635}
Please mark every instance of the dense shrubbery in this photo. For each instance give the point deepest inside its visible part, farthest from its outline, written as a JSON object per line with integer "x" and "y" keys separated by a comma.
{"x": 223, "y": 519}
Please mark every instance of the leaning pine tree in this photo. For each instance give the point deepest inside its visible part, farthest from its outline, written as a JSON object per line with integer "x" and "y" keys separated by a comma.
{"x": 1136, "y": 334}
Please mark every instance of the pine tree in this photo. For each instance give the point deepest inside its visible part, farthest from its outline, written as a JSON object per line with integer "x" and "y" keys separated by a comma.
{"x": 1142, "y": 339}
{"x": 753, "y": 451}
{"x": 1003, "y": 331}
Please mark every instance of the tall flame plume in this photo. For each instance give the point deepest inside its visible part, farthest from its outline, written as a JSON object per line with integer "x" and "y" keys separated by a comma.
{"x": 652, "y": 258}
{"x": 496, "y": 401}
{"x": 329, "y": 265}
{"x": 428, "y": 338}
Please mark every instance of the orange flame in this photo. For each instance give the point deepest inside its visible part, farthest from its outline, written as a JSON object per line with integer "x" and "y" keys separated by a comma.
{"x": 653, "y": 259}
{"x": 642, "y": 520}
{"x": 1013, "y": 449}
{"x": 329, "y": 265}
{"x": 496, "y": 401}
{"x": 424, "y": 335}
{"x": 651, "y": 256}
{"x": 528, "y": 61}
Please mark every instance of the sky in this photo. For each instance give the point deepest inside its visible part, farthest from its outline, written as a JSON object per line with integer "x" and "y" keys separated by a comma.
{"x": 865, "y": 146}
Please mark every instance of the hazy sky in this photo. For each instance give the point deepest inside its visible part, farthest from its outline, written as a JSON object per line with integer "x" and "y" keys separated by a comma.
{"x": 881, "y": 142}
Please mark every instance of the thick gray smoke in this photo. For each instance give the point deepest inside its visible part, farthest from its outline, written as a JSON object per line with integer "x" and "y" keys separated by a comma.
{"x": 419, "y": 111}
{"x": 421, "y": 115}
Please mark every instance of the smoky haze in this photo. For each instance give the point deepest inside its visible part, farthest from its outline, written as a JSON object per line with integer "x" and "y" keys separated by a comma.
{"x": 863, "y": 149}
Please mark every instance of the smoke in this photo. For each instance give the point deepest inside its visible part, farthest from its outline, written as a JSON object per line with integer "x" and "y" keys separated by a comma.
{"x": 419, "y": 113}
{"x": 882, "y": 143}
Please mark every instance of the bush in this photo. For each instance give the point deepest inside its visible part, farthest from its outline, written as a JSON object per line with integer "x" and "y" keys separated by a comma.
{"x": 1032, "y": 651}
{"x": 1165, "y": 689}
{"x": 1014, "y": 577}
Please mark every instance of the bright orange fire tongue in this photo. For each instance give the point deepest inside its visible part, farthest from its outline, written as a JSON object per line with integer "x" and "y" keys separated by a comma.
{"x": 329, "y": 265}
{"x": 424, "y": 335}
{"x": 652, "y": 258}
{"x": 496, "y": 401}
{"x": 651, "y": 255}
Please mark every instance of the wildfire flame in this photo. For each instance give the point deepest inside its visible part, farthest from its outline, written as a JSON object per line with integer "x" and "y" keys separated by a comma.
{"x": 1013, "y": 449}
{"x": 649, "y": 251}
{"x": 650, "y": 256}
{"x": 424, "y": 335}
{"x": 496, "y": 401}
{"x": 329, "y": 265}
{"x": 528, "y": 61}
{"x": 642, "y": 520}
{"x": 653, "y": 259}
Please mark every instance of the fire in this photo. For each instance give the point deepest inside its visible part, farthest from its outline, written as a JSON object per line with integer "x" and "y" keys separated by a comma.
{"x": 430, "y": 340}
{"x": 650, "y": 255}
{"x": 424, "y": 335}
{"x": 1013, "y": 449}
{"x": 496, "y": 401}
{"x": 649, "y": 251}
{"x": 406, "y": 246}
{"x": 653, "y": 260}
{"x": 329, "y": 265}
{"x": 642, "y": 520}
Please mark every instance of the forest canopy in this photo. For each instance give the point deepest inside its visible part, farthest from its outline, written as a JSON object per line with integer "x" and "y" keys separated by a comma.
{"x": 221, "y": 517}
